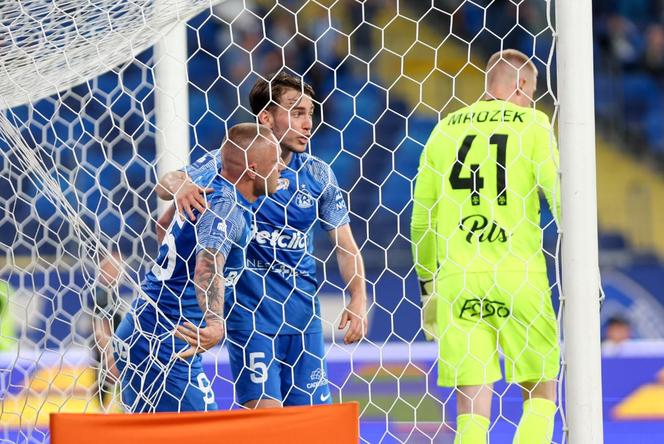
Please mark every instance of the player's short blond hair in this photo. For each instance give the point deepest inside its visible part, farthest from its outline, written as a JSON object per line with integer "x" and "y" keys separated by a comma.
{"x": 511, "y": 58}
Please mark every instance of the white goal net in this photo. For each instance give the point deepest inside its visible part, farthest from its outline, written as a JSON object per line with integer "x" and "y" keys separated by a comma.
{"x": 80, "y": 162}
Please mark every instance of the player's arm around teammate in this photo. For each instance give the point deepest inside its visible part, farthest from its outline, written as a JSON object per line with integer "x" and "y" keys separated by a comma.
{"x": 182, "y": 187}
{"x": 178, "y": 186}
{"x": 187, "y": 196}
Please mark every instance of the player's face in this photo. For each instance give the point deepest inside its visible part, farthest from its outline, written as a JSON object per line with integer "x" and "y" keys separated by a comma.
{"x": 292, "y": 120}
{"x": 269, "y": 169}
{"x": 277, "y": 166}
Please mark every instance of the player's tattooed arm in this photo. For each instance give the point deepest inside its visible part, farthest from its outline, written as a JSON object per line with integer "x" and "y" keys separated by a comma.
{"x": 209, "y": 283}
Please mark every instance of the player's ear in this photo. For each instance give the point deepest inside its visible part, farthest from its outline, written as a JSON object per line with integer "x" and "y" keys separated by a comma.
{"x": 265, "y": 118}
{"x": 251, "y": 170}
{"x": 521, "y": 84}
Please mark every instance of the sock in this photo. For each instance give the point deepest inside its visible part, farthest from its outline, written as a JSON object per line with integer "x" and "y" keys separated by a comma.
{"x": 471, "y": 429}
{"x": 536, "y": 425}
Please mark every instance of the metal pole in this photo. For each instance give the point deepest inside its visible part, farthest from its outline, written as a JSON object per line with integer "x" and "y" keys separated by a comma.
{"x": 171, "y": 103}
{"x": 580, "y": 267}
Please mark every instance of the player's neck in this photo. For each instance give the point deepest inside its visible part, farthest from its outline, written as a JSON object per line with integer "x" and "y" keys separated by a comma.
{"x": 500, "y": 91}
{"x": 509, "y": 96}
{"x": 495, "y": 96}
{"x": 242, "y": 185}
{"x": 286, "y": 155}
{"x": 247, "y": 190}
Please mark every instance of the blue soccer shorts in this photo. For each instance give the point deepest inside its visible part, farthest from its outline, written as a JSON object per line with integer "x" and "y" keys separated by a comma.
{"x": 286, "y": 368}
{"x": 151, "y": 381}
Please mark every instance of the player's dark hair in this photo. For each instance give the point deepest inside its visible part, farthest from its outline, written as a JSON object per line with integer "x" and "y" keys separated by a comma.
{"x": 266, "y": 93}
{"x": 618, "y": 320}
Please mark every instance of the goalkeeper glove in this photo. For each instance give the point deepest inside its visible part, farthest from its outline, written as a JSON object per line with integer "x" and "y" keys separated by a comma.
{"x": 429, "y": 301}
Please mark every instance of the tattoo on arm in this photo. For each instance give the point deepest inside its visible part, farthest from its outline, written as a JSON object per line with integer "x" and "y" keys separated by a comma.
{"x": 209, "y": 281}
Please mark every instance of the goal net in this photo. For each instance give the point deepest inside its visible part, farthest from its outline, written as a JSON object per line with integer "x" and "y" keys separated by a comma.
{"x": 79, "y": 136}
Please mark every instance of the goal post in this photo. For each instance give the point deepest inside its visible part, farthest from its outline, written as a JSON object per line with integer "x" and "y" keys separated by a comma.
{"x": 171, "y": 103}
{"x": 580, "y": 265}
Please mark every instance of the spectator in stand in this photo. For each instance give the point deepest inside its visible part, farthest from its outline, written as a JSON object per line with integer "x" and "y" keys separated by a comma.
{"x": 623, "y": 41}
{"x": 653, "y": 54}
{"x": 637, "y": 11}
{"x": 618, "y": 331}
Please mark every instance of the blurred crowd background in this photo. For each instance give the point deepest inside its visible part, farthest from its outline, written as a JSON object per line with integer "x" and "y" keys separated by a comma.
{"x": 629, "y": 45}
{"x": 383, "y": 76}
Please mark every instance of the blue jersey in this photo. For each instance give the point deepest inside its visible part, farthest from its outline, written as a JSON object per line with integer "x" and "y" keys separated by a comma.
{"x": 275, "y": 294}
{"x": 225, "y": 228}
{"x": 164, "y": 384}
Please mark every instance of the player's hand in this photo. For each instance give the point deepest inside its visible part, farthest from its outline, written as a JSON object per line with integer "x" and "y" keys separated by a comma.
{"x": 354, "y": 314}
{"x": 189, "y": 197}
{"x": 429, "y": 300}
{"x": 199, "y": 339}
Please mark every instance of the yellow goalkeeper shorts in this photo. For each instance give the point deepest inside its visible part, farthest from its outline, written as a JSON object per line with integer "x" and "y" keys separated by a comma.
{"x": 477, "y": 312}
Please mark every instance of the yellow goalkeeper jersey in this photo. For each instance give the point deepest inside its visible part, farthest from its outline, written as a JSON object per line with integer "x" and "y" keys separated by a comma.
{"x": 476, "y": 203}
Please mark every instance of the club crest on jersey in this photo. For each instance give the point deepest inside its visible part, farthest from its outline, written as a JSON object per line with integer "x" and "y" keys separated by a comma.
{"x": 283, "y": 184}
{"x": 303, "y": 199}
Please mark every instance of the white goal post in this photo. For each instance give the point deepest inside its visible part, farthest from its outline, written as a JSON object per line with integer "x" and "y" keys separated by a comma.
{"x": 580, "y": 264}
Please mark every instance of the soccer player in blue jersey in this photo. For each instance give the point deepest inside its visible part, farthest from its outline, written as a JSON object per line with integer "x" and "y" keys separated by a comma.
{"x": 275, "y": 337}
{"x": 181, "y": 311}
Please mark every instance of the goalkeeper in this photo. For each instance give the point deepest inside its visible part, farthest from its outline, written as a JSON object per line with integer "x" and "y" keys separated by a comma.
{"x": 157, "y": 344}
{"x": 477, "y": 247}
{"x": 275, "y": 338}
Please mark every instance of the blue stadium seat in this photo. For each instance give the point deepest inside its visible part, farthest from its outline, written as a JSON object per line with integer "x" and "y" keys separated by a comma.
{"x": 612, "y": 240}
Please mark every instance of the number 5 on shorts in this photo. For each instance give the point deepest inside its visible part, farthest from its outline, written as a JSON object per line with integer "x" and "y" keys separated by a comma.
{"x": 258, "y": 368}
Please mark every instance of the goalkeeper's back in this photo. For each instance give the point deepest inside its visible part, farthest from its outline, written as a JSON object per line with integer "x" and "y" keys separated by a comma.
{"x": 477, "y": 190}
